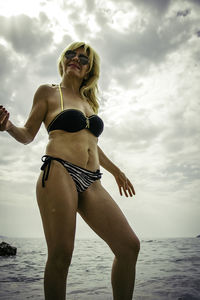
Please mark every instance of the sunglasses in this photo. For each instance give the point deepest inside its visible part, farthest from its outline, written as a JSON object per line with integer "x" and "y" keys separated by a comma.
{"x": 84, "y": 60}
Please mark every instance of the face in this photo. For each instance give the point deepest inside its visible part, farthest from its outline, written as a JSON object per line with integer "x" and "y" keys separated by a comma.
{"x": 74, "y": 63}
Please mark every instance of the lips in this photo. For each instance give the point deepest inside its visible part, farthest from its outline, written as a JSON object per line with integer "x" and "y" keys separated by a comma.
{"x": 74, "y": 65}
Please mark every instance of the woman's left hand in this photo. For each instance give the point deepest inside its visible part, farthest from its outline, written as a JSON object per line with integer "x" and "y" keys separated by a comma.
{"x": 124, "y": 184}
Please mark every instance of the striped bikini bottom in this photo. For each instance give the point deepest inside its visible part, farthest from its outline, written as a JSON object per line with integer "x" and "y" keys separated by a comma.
{"x": 83, "y": 178}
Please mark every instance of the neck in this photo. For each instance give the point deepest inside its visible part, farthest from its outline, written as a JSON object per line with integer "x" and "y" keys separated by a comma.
{"x": 71, "y": 83}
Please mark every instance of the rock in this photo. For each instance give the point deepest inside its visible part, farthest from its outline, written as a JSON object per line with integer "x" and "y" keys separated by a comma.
{"x": 198, "y": 236}
{"x": 6, "y": 249}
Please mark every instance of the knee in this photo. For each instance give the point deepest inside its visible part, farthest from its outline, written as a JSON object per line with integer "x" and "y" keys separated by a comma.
{"x": 60, "y": 257}
{"x": 136, "y": 245}
{"x": 133, "y": 248}
{"x": 129, "y": 250}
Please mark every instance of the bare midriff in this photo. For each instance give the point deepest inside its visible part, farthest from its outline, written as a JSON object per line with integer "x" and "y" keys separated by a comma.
{"x": 79, "y": 148}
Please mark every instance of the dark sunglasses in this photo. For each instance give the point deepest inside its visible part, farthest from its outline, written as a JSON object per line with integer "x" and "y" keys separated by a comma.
{"x": 84, "y": 60}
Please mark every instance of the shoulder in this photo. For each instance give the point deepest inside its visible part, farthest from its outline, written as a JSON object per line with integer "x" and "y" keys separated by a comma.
{"x": 44, "y": 91}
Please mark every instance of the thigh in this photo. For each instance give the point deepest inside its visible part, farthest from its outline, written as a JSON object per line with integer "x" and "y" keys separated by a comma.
{"x": 58, "y": 202}
{"x": 105, "y": 217}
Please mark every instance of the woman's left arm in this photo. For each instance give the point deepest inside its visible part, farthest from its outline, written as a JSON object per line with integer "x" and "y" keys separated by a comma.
{"x": 122, "y": 181}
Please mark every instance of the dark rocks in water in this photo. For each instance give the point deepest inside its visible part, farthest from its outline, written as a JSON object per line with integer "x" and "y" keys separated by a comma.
{"x": 6, "y": 249}
{"x": 198, "y": 236}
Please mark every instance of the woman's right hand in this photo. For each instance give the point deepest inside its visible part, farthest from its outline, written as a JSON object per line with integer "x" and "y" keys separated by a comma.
{"x": 5, "y": 123}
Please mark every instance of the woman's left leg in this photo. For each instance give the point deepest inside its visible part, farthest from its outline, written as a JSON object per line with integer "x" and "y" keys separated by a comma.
{"x": 104, "y": 216}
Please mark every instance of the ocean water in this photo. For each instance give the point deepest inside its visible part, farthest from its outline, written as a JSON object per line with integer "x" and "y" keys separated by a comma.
{"x": 166, "y": 269}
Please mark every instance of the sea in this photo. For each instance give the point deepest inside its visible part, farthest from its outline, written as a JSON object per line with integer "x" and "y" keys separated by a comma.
{"x": 167, "y": 269}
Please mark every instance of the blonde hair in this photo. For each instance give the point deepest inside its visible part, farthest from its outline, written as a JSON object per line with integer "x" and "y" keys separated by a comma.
{"x": 89, "y": 87}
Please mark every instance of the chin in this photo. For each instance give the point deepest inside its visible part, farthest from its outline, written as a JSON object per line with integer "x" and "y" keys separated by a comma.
{"x": 72, "y": 73}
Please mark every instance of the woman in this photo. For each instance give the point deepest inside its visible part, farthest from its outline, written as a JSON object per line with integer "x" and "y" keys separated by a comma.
{"x": 70, "y": 178}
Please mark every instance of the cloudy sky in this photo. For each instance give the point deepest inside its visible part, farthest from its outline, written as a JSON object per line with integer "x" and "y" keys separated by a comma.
{"x": 149, "y": 97}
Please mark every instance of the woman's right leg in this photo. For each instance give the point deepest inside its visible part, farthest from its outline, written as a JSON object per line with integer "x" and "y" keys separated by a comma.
{"x": 57, "y": 202}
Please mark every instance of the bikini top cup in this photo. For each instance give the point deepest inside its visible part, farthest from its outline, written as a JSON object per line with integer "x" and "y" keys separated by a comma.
{"x": 73, "y": 120}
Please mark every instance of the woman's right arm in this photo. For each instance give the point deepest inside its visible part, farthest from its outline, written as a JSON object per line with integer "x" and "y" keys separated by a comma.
{"x": 38, "y": 112}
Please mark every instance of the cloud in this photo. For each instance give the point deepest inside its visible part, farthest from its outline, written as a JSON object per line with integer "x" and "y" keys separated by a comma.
{"x": 27, "y": 35}
{"x": 197, "y": 2}
{"x": 183, "y": 13}
{"x": 27, "y": 39}
{"x": 198, "y": 33}
{"x": 147, "y": 41}
{"x": 6, "y": 62}
{"x": 159, "y": 7}
{"x": 90, "y": 6}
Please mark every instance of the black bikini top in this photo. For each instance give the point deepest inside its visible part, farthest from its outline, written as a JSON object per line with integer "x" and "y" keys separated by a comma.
{"x": 72, "y": 120}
